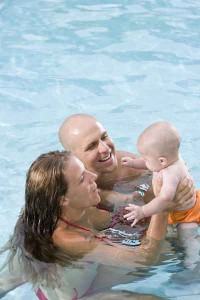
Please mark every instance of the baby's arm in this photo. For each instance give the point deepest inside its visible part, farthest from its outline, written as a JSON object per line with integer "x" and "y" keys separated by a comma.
{"x": 158, "y": 204}
{"x": 137, "y": 163}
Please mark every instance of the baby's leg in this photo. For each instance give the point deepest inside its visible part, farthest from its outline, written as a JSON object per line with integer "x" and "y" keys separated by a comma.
{"x": 187, "y": 225}
{"x": 188, "y": 236}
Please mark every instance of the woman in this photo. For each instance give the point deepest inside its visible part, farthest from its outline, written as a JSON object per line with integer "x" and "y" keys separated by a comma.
{"x": 56, "y": 237}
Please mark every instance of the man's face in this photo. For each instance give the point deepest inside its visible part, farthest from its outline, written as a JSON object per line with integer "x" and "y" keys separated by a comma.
{"x": 94, "y": 148}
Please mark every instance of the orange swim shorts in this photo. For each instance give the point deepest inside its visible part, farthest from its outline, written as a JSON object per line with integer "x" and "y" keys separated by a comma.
{"x": 188, "y": 215}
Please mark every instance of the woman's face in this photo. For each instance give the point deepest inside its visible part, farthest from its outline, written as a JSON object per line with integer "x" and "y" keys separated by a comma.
{"x": 82, "y": 189}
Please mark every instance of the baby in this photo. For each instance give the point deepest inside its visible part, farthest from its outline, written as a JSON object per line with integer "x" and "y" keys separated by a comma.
{"x": 158, "y": 145}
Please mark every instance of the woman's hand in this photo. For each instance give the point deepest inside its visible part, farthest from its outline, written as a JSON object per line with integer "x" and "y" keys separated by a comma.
{"x": 184, "y": 194}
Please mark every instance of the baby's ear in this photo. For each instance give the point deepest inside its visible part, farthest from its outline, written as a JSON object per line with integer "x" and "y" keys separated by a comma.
{"x": 163, "y": 161}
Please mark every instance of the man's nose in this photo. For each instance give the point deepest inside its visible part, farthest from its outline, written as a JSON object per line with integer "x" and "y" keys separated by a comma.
{"x": 103, "y": 147}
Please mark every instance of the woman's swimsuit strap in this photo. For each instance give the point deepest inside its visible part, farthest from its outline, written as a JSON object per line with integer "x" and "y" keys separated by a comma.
{"x": 74, "y": 225}
{"x": 83, "y": 228}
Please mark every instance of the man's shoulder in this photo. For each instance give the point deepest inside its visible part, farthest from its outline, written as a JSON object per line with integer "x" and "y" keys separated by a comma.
{"x": 121, "y": 153}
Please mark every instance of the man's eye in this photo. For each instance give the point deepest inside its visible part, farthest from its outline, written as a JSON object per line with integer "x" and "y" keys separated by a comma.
{"x": 104, "y": 137}
{"x": 82, "y": 178}
{"x": 92, "y": 146}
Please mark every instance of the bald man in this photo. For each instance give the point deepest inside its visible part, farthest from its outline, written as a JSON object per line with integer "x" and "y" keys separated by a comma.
{"x": 86, "y": 138}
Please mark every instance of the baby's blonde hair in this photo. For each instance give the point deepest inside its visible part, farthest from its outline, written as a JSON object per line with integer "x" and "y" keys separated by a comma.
{"x": 161, "y": 139}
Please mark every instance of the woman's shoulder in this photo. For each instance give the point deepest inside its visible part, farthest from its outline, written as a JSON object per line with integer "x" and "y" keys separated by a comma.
{"x": 71, "y": 242}
{"x": 122, "y": 153}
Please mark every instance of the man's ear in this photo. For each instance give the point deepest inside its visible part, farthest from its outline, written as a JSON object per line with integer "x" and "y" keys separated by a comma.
{"x": 64, "y": 201}
{"x": 163, "y": 161}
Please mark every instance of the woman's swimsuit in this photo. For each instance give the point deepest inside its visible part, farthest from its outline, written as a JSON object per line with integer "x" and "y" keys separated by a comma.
{"x": 39, "y": 292}
{"x": 117, "y": 232}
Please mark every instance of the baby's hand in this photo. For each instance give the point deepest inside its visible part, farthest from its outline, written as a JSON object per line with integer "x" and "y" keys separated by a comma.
{"x": 127, "y": 161}
{"x": 136, "y": 213}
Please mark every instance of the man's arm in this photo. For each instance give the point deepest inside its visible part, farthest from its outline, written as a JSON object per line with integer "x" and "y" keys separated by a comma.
{"x": 166, "y": 195}
{"x": 107, "y": 253}
{"x": 184, "y": 195}
{"x": 111, "y": 199}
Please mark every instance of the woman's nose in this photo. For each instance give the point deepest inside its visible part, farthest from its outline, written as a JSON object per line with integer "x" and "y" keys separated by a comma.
{"x": 93, "y": 177}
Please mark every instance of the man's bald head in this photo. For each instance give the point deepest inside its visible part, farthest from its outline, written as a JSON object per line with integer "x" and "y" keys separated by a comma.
{"x": 87, "y": 139}
{"x": 72, "y": 128}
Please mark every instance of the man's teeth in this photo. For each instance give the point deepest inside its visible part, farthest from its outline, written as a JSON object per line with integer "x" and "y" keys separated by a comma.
{"x": 106, "y": 158}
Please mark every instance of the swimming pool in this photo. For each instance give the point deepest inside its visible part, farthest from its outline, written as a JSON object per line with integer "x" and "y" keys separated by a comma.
{"x": 129, "y": 63}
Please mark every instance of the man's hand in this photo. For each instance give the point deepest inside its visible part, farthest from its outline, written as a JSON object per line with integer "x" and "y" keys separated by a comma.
{"x": 136, "y": 213}
{"x": 184, "y": 195}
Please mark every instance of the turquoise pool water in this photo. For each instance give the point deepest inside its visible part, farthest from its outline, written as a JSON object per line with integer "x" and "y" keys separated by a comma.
{"x": 129, "y": 63}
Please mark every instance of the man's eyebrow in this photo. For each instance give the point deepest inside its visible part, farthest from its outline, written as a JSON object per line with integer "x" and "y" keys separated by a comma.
{"x": 105, "y": 132}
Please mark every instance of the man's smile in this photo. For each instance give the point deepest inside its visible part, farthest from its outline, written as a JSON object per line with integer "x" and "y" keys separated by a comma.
{"x": 106, "y": 157}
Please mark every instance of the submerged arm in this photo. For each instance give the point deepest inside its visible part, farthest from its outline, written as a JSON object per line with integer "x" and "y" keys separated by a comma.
{"x": 113, "y": 199}
{"x": 147, "y": 253}
{"x": 107, "y": 253}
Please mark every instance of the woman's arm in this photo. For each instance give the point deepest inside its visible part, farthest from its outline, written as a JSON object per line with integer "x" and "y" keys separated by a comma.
{"x": 107, "y": 253}
{"x": 122, "y": 256}
{"x": 9, "y": 280}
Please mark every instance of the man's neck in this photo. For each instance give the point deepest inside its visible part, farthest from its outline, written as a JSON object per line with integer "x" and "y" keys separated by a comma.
{"x": 107, "y": 180}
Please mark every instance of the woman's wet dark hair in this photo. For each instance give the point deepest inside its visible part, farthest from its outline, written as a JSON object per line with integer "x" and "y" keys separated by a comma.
{"x": 31, "y": 243}
{"x": 45, "y": 186}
